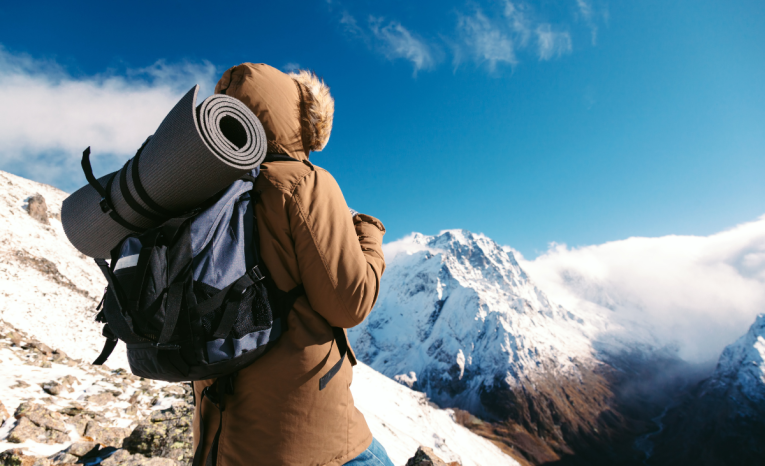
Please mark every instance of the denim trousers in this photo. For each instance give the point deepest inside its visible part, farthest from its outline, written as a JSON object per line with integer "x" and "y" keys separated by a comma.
{"x": 375, "y": 455}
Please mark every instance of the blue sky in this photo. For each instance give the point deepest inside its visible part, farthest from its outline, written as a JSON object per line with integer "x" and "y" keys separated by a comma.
{"x": 575, "y": 121}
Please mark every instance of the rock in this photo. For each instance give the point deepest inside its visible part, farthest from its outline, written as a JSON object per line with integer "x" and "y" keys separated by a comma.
{"x": 17, "y": 458}
{"x": 3, "y": 413}
{"x": 41, "y": 347}
{"x": 37, "y": 208}
{"x": 63, "y": 458}
{"x": 167, "y": 434}
{"x": 106, "y": 436}
{"x": 20, "y": 384}
{"x": 101, "y": 399}
{"x": 176, "y": 390}
{"x": 52, "y": 388}
{"x": 81, "y": 448}
{"x": 59, "y": 357}
{"x": 27, "y": 430}
{"x": 41, "y": 416}
{"x": 425, "y": 457}
{"x": 124, "y": 458}
{"x": 15, "y": 338}
{"x": 68, "y": 380}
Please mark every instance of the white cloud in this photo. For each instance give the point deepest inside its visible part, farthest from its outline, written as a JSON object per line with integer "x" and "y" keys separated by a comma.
{"x": 551, "y": 44}
{"x": 487, "y": 42}
{"x": 519, "y": 23}
{"x": 291, "y": 67}
{"x": 396, "y": 41}
{"x": 49, "y": 116}
{"x": 586, "y": 10}
{"x": 698, "y": 293}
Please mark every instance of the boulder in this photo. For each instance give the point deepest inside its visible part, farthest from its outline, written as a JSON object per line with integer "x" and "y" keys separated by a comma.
{"x": 425, "y": 457}
{"x": 37, "y": 208}
{"x": 167, "y": 434}
{"x": 18, "y": 458}
{"x": 106, "y": 436}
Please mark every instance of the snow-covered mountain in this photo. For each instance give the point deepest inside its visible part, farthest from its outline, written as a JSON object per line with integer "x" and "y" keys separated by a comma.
{"x": 49, "y": 291}
{"x": 722, "y": 419}
{"x": 458, "y": 318}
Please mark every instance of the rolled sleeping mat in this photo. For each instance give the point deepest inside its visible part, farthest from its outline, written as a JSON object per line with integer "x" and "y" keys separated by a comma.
{"x": 196, "y": 152}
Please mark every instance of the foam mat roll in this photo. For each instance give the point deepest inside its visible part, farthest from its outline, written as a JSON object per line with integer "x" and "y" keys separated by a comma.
{"x": 196, "y": 152}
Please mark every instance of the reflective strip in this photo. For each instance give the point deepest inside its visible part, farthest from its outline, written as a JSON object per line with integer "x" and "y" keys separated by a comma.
{"x": 127, "y": 261}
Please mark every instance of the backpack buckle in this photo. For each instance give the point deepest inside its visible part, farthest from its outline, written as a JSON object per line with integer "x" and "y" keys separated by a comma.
{"x": 255, "y": 275}
{"x": 105, "y": 207}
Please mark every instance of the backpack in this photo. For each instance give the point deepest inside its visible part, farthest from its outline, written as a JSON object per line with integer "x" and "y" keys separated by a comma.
{"x": 193, "y": 300}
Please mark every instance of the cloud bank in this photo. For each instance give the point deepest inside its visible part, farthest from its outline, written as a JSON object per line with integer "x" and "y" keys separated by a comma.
{"x": 696, "y": 293}
{"x": 50, "y": 115}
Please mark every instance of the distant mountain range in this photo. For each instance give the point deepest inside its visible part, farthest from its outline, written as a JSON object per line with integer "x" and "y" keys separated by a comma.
{"x": 458, "y": 318}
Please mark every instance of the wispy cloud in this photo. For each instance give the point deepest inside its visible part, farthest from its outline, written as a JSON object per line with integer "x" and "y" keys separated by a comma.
{"x": 396, "y": 41}
{"x": 588, "y": 15}
{"x": 492, "y": 35}
{"x": 50, "y": 116}
{"x": 290, "y": 67}
{"x": 551, "y": 44}
{"x": 486, "y": 41}
{"x": 697, "y": 293}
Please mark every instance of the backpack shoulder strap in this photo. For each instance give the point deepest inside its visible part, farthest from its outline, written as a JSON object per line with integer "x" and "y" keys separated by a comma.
{"x": 279, "y": 158}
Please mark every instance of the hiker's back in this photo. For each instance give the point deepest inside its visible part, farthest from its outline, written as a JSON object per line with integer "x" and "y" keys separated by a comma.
{"x": 307, "y": 236}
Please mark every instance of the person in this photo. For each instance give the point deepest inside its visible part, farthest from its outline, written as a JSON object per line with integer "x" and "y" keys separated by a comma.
{"x": 277, "y": 415}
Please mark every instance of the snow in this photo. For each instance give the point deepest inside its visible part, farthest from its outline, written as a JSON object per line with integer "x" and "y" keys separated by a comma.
{"x": 742, "y": 363}
{"x": 37, "y": 302}
{"x": 456, "y": 312}
{"x": 402, "y": 419}
{"x": 59, "y": 309}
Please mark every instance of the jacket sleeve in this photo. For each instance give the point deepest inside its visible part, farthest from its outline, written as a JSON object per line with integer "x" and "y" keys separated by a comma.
{"x": 339, "y": 257}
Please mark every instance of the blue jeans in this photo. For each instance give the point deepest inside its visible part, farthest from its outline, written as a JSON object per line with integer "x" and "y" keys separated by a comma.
{"x": 375, "y": 455}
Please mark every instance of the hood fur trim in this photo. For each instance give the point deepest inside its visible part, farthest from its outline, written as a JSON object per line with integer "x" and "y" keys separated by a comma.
{"x": 319, "y": 109}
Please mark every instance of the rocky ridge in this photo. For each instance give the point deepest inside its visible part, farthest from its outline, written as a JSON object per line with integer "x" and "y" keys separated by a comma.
{"x": 63, "y": 409}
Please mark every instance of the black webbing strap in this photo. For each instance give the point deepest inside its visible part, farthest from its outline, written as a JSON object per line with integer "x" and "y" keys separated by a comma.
{"x": 118, "y": 322}
{"x": 141, "y": 191}
{"x": 126, "y": 194}
{"x": 279, "y": 158}
{"x": 106, "y": 199}
{"x": 172, "y": 311}
{"x": 109, "y": 345}
{"x": 288, "y": 302}
{"x": 342, "y": 346}
{"x": 216, "y": 394}
{"x": 232, "y": 306}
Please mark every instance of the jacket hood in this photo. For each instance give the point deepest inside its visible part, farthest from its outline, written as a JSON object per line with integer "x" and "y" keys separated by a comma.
{"x": 296, "y": 109}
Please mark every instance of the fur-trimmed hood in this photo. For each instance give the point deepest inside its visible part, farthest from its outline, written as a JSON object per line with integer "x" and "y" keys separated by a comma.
{"x": 296, "y": 109}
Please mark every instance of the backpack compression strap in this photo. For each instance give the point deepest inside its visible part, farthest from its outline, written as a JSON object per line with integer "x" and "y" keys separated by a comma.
{"x": 106, "y": 204}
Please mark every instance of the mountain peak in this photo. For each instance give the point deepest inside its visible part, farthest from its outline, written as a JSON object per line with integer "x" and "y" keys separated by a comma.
{"x": 743, "y": 362}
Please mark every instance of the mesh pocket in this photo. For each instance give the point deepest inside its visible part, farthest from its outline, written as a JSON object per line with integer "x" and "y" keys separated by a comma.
{"x": 254, "y": 312}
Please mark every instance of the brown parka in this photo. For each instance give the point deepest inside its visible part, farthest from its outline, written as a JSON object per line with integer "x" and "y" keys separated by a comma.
{"x": 277, "y": 414}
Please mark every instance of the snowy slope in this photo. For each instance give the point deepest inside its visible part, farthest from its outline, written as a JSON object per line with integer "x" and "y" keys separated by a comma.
{"x": 742, "y": 364}
{"x": 47, "y": 287}
{"x": 50, "y": 291}
{"x": 456, "y": 314}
